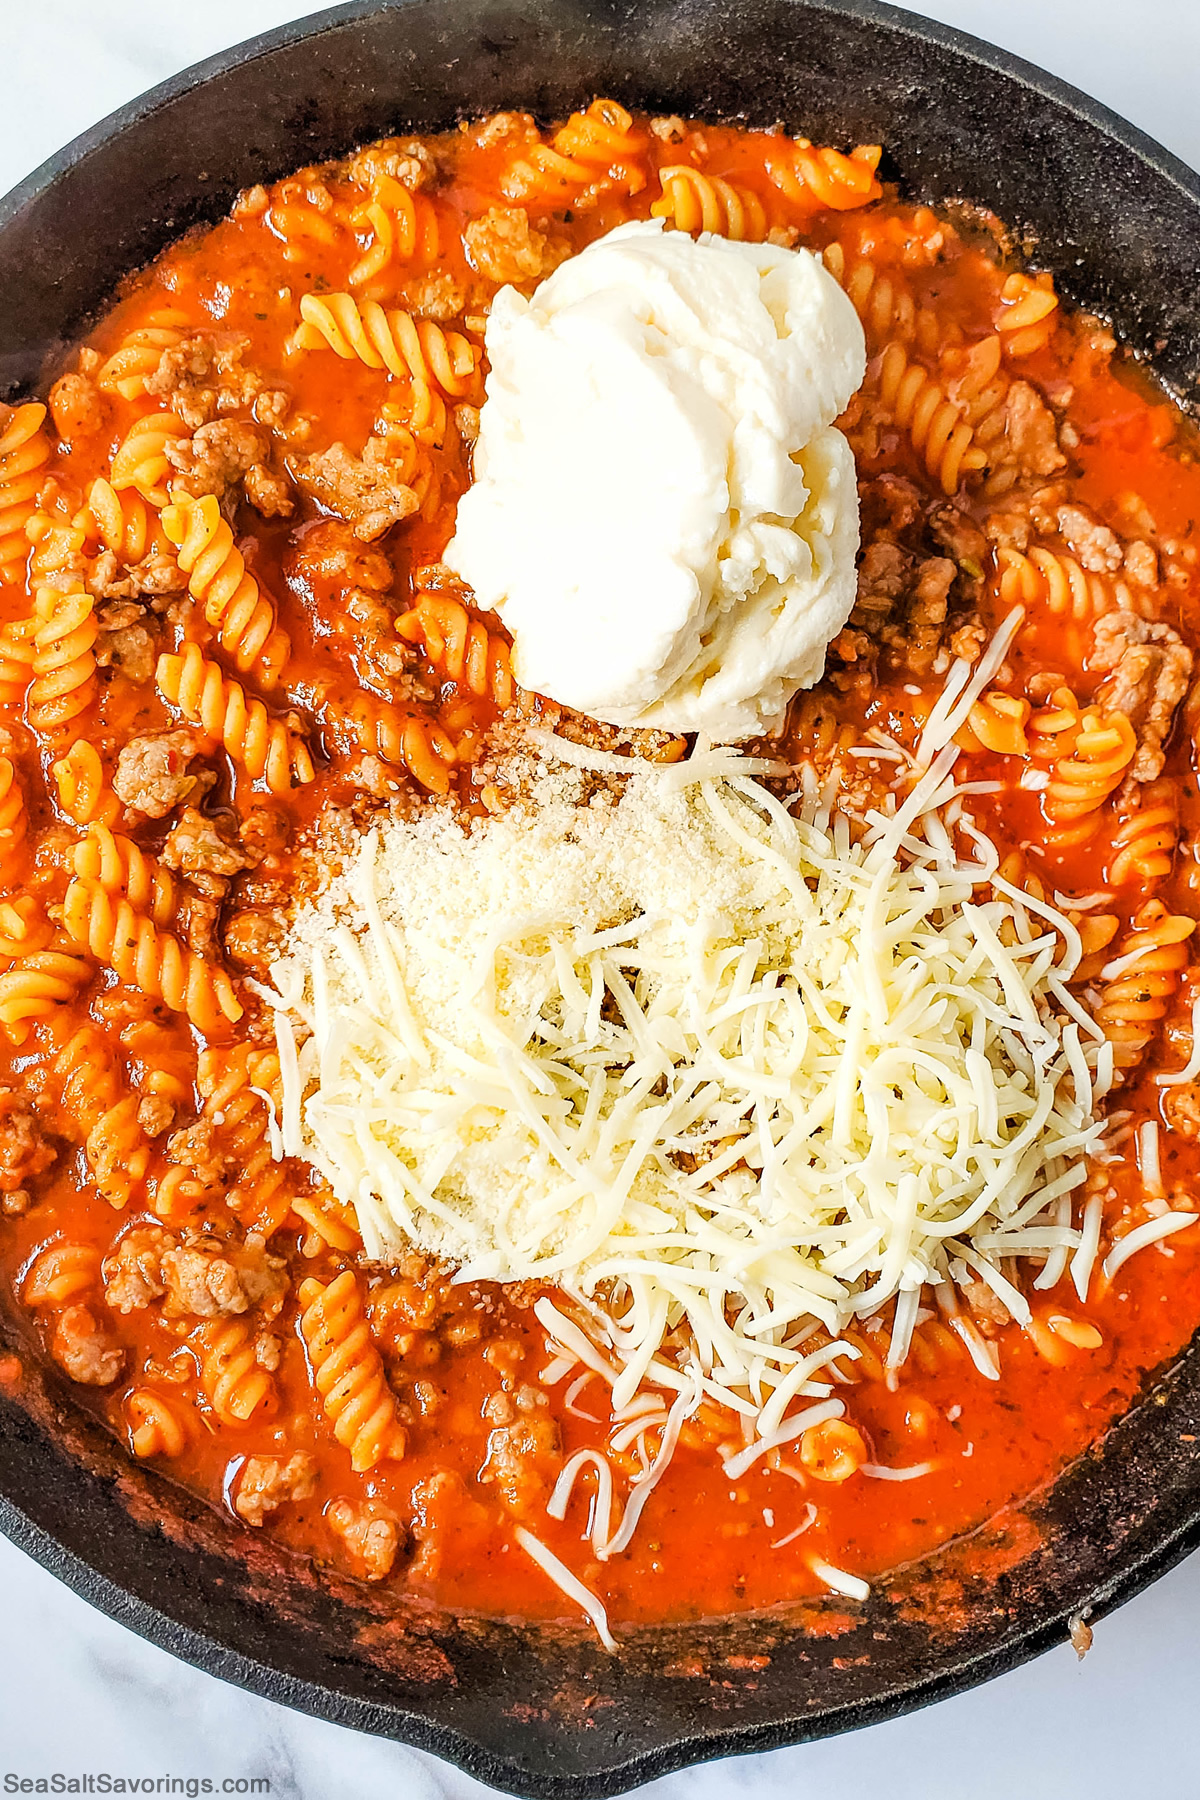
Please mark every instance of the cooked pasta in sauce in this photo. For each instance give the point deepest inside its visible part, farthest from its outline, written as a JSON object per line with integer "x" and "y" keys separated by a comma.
{"x": 228, "y": 645}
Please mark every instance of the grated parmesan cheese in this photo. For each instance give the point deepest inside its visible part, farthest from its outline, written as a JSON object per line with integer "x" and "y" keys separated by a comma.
{"x": 712, "y": 1064}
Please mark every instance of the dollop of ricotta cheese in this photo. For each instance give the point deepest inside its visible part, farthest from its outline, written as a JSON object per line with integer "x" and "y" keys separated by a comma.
{"x": 662, "y": 513}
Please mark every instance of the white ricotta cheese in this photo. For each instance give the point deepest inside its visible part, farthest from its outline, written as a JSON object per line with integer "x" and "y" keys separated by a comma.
{"x": 662, "y": 513}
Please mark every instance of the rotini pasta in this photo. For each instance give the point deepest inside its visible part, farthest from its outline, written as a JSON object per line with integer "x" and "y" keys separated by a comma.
{"x": 87, "y": 1071}
{"x": 156, "y": 1427}
{"x": 832, "y": 1451}
{"x": 1143, "y": 843}
{"x": 61, "y": 1273}
{"x": 24, "y": 453}
{"x": 233, "y": 1087}
{"x": 1081, "y": 781}
{"x": 57, "y": 536}
{"x": 887, "y": 309}
{"x": 997, "y": 723}
{"x": 126, "y": 371}
{"x": 148, "y": 958}
{"x": 1049, "y": 578}
{"x": 23, "y": 927}
{"x": 403, "y": 228}
{"x": 349, "y": 1373}
{"x": 262, "y": 746}
{"x": 939, "y": 433}
{"x": 302, "y": 218}
{"x": 418, "y": 745}
{"x": 1054, "y": 728}
{"x": 122, "y": 522}
{"x": 329, "y": 1226}
{"x": 417, "y": 350}
{"x": 234, "y": 603}
{"x": 124, "y": 870}
{"x": 235, "y": 1383}
{"x": 693, "y": 201}
{"x": 118, "y": 1152}
{"x": 1141, "y": 980}
{"x": 1025, "y": 316}
{"x": 64, "y": 666}
{"x": 815, "y": 178}
{"x": 13, "y": 821}
{"x": 35, "y": 987}
{"x": 166, "y": 1057}
{"x": 142, "y": 462}
{"x": 176, "y": 1196}
{"x": 460, "y": 648}
{"x": 597, "y": 151}
{"x": 83, "y": 791}
{"x": 17, "y": 651}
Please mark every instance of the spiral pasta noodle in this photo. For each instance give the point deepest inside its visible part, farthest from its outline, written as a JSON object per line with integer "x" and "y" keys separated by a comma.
{"x": 236, "y": 1386}
{"x": 90, "y": 1087}
{"x": 819, "y": 179}
{"x": 148, "y": 958}
{"x": 348, "y": 1372}
{"x": 1054, "y": 728}
{"x": 64, "y": 667}
{"x": 124, "y": 870}
{"x": 997, "y": 723}
{"x": 414, "y": 349}
{"x": 1025, "y": 316}
{"x": 122, "y": 522}
{"x": 978, "y": 386}
{"x": 419, "y": 745}
{"x": 118, "y": 1152}
{"x": 460, "y": 648}
{"x": 832, "y": 1451}
{"x": 299, "y": 222}
{"x": 24, "y": 927}
{"x": 61, "y": 1272}
{"x": 1051, "y": 579}
{"x": 232, "y": 1086}
{"x": 597, "y": 149}
{"x": 35, "y": 987}
{"x": 141, "y": 462}
{"x": 330, "y": 1226}
{"x": 57, "y": 537}
{"x": 24, "y": 453}
{"x": 156, "y": 1428}
{"x": 886, "y": 308}
{"x": 1145, "y": 974}
{"x": 83, "y": 790}
{"x": 234, "y": 603}
{"x": 940, "y": 435}
{"x": 693, "y": 201}
{"x": 1081, "y": 781}
{"x": 13, "y": 819}
{"x": 1143, "y": 845}
{"x": 167, "y": 1058}
{"x": 264, "y": 747}
{"x": 126, "y": 370}
{"x": 176, "y": 1195}
{"x": 404, "y": 228}
{"x": 17, "y": 651}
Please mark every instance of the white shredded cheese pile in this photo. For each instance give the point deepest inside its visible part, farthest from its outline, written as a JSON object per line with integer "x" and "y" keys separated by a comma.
{"x": 718, "y": 1065}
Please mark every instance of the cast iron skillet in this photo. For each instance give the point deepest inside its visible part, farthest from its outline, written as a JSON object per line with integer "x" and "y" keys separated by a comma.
{"x": 544, "y": 1711}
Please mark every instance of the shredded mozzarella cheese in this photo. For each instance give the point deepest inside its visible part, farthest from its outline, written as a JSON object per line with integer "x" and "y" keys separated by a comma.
{"x": 712, "y": 1064}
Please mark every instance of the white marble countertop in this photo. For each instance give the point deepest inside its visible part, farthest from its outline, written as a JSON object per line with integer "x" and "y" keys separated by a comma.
{"x": 79, "y": 1693}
